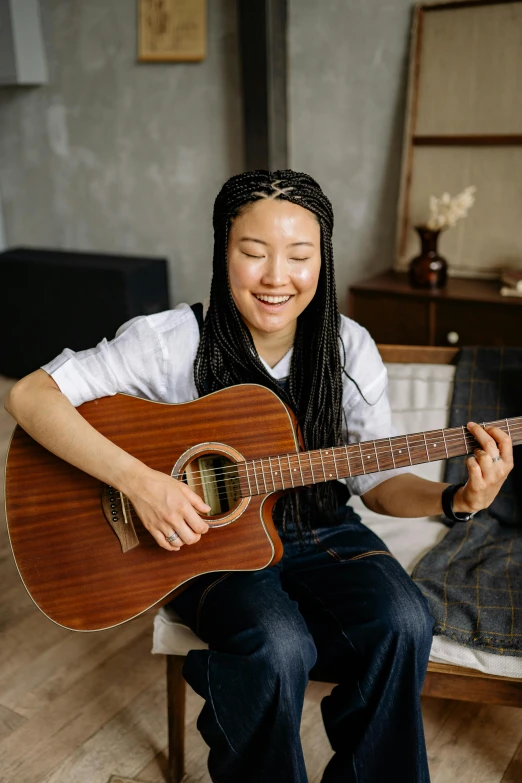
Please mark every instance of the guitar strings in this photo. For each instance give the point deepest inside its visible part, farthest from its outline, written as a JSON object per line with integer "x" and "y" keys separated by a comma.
{"x": 258, "y": 475}
{"x": 468, "y": 439}
{"x": 420, "y": 445}
{"x": 357, "y": 450}
{"x": 429, "y": 437}
{"x": 252, "y": 471}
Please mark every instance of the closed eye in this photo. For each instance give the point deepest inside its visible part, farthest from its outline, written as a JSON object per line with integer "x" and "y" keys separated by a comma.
{"x": 301, "y": 259}
{"x": 249, "y": 255}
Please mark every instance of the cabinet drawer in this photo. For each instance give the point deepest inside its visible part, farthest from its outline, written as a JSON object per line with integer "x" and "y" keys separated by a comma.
{"x": 478, "y": 323}
{"x": 391, "y": 319}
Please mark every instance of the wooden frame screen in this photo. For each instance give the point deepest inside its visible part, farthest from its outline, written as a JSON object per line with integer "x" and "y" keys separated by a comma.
{"x": 464, "y": 127}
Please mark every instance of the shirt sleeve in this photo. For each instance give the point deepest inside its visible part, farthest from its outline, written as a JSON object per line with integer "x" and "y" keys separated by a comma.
{"x": 366, "y": 408}
{"x": 134, "y": 362}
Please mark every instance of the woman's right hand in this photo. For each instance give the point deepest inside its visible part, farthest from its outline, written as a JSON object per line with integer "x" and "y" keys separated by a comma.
{"x": 164, "y": 505}
{"x": 167, "y": 506}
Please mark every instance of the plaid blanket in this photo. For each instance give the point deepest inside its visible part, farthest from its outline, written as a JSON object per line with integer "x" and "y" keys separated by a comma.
{"x": 473, "y": 577}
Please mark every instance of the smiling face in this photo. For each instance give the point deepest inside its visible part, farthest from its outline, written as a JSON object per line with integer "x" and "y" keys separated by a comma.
{"x": 274, "y": 260}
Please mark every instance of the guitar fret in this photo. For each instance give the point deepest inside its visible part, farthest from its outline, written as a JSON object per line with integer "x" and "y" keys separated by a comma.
{"x": 311, "y": 466}
{"x": 335, "y": 464}
{"x": 376, "y": 455}
{"x": 300, "y": 469}
{"x": 263, "y": 461}
{"x": 266, "y": 475}
{"x": 409, "y": 452}
{"x": 281, "y": 472}
{"x": 426, "y": 446}
{"x": 263, "y": 474}
{"x": 391, "y": 452}
{"x": 329, "y": 475}
{"x": 255, "y": 475}
{"x": 348, "y": 461}
{"x": 248, "y": 478}
{"x": 362, "y": 458}
{"x": 464, "y": 438}
{"x": 271, "y": 471}
{"x": 445, "y": 444}
{"x": 290, "y": 469}
{"x": 322, "y": 463}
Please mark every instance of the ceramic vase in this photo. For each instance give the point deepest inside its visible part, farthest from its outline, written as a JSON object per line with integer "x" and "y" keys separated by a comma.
{"x": 429, "y": 269}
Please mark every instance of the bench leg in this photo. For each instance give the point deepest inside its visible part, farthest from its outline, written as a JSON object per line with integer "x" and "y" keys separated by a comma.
{"x": 176, "y": 718}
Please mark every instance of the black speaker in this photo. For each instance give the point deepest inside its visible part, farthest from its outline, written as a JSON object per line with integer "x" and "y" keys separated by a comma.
{"x": 54, "y": 299}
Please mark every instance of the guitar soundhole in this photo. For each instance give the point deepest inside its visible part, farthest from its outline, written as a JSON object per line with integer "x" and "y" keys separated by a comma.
{"x": 214, "y": 478}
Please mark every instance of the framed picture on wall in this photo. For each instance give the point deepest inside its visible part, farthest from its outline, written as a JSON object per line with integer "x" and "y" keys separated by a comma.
{"x": 172, "y": 30}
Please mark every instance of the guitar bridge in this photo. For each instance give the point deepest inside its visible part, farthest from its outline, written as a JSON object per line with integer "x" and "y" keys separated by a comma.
{"x": 117, "y": 511}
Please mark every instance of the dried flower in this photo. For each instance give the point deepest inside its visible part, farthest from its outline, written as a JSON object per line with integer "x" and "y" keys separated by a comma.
{"x": 445, "y": 211}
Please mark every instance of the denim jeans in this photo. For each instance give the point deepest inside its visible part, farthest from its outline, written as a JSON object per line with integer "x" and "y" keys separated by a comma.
{"x": 338, "y": 608}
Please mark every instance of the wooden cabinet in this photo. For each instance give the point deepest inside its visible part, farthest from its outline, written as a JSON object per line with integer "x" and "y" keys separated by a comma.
{"x": 466, "y": 312}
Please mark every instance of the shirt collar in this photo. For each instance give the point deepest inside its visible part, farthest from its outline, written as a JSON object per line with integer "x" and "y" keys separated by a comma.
{"x": 282, "y": 368}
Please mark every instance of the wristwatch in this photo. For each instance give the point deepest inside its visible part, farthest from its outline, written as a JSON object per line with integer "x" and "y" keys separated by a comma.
{"x": 447, "y": 504}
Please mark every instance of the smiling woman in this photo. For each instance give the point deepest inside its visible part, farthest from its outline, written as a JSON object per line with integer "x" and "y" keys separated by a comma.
{"x": 274, "y": 258}
{"x": 273, "y": 237}
{"x": 337, "y": 602}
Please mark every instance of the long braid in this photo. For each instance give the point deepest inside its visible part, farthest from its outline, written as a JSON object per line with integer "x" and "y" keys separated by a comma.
{"x": 226, "y": 355}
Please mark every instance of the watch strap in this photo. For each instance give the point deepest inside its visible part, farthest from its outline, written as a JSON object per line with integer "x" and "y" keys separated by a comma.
{"x": 448, "y": 495}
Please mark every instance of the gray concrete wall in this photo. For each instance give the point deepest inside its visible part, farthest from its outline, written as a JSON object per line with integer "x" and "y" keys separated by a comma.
{"x": 118, "y": 156}
{"x": 348, "y": 74}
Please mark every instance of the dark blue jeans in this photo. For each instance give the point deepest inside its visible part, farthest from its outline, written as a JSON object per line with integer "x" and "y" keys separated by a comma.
{"x": 339, "y": 609}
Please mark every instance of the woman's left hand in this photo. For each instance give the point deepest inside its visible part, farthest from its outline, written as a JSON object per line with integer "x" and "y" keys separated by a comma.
{"x": 488, "y": 468}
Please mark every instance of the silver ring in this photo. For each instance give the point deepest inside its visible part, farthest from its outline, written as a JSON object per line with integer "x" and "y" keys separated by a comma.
{"x": 495, "y": 459}
{"x": 172, "y": 538}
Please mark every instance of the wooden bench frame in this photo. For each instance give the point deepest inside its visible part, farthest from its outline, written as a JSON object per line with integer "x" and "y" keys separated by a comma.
{"x": 442, "y": 680}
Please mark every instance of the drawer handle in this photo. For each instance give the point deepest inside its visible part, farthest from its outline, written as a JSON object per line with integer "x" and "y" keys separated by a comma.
{"x": 452, "y": 338}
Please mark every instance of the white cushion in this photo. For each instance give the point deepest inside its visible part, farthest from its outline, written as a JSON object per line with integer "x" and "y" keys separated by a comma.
{"x": 420, "y": 399}
{"x": 444, "y": 650}
{"x": 171, "y": 636}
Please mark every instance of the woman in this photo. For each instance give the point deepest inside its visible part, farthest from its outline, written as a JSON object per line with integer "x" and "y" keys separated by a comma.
{"x": 338, "y": 604}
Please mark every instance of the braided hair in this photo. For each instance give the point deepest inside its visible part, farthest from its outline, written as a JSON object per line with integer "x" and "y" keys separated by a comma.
{"x": 226, "y": 355}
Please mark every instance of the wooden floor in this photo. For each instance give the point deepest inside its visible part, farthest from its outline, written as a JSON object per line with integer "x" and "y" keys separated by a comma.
{"x": 90, "y": 708}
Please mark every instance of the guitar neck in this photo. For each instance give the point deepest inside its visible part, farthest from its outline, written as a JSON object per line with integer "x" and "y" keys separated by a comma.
{"x": 285, "y": 471}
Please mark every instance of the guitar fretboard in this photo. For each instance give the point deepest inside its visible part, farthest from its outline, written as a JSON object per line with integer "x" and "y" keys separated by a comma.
{"x": 285, "y": 471}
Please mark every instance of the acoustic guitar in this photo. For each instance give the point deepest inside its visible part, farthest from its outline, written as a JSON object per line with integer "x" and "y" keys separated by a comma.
{"x": 82, "y": 553}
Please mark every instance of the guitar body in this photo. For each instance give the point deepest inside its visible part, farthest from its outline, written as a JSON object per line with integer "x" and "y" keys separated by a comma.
{"x": 69, "y": 557}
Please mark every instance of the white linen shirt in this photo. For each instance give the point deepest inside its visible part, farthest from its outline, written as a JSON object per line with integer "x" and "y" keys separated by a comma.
{"x": 153, "y": 357}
